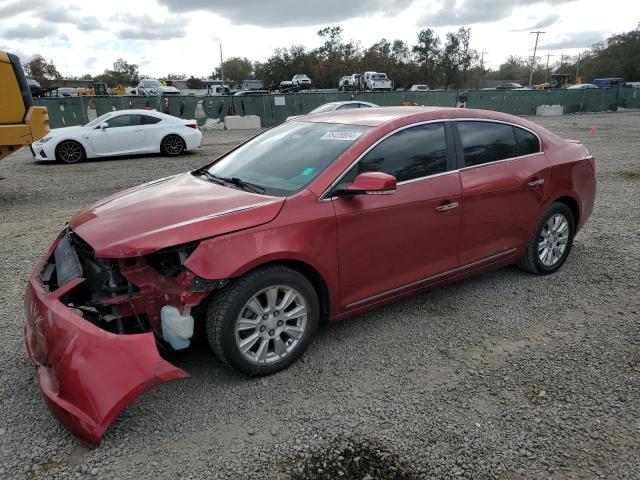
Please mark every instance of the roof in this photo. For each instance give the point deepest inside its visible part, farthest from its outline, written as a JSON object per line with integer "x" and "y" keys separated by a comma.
{"x": 373, "y": 117}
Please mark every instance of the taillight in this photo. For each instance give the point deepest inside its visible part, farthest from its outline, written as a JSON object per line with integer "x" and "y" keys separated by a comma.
{"x": 192, "y": 125}
{"x": 592, "y": 162}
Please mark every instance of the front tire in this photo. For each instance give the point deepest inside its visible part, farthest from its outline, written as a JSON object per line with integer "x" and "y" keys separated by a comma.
{"x": 172, "y": 145}
{"x": 551, "y": 242}
{"x": 263, "y": 322}
{"x": 70, "y": 151}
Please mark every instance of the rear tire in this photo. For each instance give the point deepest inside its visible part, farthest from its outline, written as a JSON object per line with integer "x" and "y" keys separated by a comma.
{"x": 70, "y": 151}
{"x": 551, "y": 242}
{"x": 263, "y": 322}
{"x": 172, "y": 145}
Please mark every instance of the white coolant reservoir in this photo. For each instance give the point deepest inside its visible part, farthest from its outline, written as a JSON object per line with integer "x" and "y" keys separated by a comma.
{"x": 177, "y": 328}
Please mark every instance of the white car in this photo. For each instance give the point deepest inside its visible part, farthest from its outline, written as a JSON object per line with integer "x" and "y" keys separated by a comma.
{"x": 582, "y": 86}
{"x": 377, "y": 81}
{"x": 124, "y": 132}
{"x": 419, "y": 88}
{"x": 333, "y": 106}
{"x": 301, "y": 81}
{"x": 153, "y": 87}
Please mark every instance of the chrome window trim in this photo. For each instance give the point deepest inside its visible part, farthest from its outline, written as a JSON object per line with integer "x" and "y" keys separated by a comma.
{"x": 322, "y": 197}
{"x": 371, "y": 147}
{"x": 504, "y": 122}
{"x": 510, "y": 159}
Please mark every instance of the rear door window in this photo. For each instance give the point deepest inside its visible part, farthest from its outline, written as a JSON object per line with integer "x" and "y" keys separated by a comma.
{"x": 484, "y": 142}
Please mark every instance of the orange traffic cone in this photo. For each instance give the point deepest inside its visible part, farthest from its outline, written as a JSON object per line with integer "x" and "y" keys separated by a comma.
{"x": 593, "y": 131}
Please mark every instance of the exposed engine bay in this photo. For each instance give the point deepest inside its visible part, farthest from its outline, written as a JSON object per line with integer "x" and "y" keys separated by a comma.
{"x": 152, "y": 293}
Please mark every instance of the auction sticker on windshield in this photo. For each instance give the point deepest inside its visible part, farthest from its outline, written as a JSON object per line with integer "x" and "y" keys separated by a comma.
{"x": 345, "y": 136}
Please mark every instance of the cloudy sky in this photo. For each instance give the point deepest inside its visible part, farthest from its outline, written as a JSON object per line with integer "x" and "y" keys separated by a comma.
{"x": 183, "y": 36}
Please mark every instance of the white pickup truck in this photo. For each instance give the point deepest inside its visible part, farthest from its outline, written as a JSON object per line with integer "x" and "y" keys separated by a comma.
{"x": 377, "y": 81}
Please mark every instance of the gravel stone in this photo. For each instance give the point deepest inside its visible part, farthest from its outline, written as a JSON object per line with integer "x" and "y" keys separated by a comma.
{"x": 443, "y": 385}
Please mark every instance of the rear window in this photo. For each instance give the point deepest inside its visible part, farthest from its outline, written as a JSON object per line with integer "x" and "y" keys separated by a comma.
{"x": 484, "y": 142}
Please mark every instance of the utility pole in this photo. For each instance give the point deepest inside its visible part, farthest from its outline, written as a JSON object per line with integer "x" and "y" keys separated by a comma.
{"x": 546, "y": 72}
{"x": 561, "y": 61}
{"x": 221, "y": 67}
{"x": 533, "y": 60}
{"x": 482, "y": 65}
{"x": 578, "y": 69}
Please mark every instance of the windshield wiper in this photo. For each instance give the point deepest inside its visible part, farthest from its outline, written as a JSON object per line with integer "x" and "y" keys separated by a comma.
{"x": 238, "y": 182}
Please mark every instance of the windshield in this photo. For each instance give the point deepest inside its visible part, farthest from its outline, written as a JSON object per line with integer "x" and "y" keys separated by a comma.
{"x": 98, "y": 120}
{"x": 379, "y": 76}
{"x": 327, "y": 107}
{"x": 286, "y": 158}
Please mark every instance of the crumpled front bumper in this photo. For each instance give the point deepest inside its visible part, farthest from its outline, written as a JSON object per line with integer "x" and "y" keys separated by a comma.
{"x": 87, "y": 375}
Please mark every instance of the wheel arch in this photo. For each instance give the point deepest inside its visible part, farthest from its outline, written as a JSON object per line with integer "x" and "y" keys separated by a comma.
{"x": 573, "y": 204}
{"x": 88, "y": 152}
{"x": 310, "y": 273}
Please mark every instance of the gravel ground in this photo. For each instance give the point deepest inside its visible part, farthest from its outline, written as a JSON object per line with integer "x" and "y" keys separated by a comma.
{"x": 504, "y": 375}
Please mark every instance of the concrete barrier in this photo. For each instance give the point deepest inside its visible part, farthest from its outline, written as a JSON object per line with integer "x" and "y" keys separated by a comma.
{"x": 549, "y": 110}
{"x": 236, "y": 122}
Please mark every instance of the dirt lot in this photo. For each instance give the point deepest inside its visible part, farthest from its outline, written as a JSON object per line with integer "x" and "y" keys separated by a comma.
{"x": 505, "y": 375}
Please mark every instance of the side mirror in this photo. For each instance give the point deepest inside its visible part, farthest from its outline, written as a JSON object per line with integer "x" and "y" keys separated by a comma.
{"x": 104, "y": 125}
{"x": 373, "y": 183}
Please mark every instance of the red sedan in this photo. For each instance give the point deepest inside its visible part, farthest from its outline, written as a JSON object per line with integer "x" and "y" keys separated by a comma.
{"x": 317, "y": 219}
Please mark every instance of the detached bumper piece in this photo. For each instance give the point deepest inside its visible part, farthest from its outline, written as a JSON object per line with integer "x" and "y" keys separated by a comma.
{"x": 87, "y": 375}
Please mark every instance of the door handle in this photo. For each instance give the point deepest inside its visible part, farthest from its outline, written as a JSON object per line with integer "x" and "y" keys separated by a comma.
{"x": 447, "y": 206}
{"x": 139, "y": 130}
{"x": 535, "y": 183}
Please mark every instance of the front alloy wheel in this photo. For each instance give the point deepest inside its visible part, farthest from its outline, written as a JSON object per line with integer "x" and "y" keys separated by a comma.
{"x": 69, "y": 151}
{"x": 262, "y": 322}
{"x": 271, "y": 324}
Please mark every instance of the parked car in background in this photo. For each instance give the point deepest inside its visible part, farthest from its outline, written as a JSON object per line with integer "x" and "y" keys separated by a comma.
{"x": 419, "y": 88}
{"x": 244, "y": 93}
{"x": 582, "y": 86}
{"x": 217, "y": 90}
{"x": 376, "y": 81}
{"x": 65, "y": 92}
{"x": 35, "y": 88}
{"x": 509, "y": 86}
{"x": 333, "y": 106}
{"x": 123, "y": 132}
{"x": 301, "y": 81}
{"x": 285, "y": 86}
{"x": 346, "y": 82}
{"x": 608, "y": 82}
{"x": 317, "y": 219}
{"x": 153, "y": 87}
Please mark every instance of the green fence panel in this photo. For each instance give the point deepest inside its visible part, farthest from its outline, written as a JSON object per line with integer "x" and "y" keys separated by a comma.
{"x": 630, "y": 97}
{"x": 182, "y": 106}
{"x": 64, "y": 111}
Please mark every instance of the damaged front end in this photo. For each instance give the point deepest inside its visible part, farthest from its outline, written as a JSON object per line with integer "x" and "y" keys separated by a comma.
{"x": 94, "y": 327}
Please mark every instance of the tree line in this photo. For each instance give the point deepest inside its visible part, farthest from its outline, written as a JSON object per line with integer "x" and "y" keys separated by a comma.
{"x": 448, "y": 63}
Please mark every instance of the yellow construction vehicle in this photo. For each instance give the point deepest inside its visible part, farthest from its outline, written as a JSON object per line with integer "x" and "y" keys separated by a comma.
{"x": 100, "y": 88}
{"x": 558, "y": 80}
{"x": 20, "y": 122}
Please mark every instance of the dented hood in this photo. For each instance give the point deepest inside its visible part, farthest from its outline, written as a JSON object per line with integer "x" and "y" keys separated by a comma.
{"x": 168, "y": 212}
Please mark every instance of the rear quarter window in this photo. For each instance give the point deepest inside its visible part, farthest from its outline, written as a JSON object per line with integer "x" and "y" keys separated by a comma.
{"x": 527, "y": 142}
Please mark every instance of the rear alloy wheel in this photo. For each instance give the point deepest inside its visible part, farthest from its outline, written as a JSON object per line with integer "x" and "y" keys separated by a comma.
{"x": 549, "y": 247}
{"x": 172, "y": 145}
{"x": 70, "y": 151}
{"x": 263, "y": 322}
